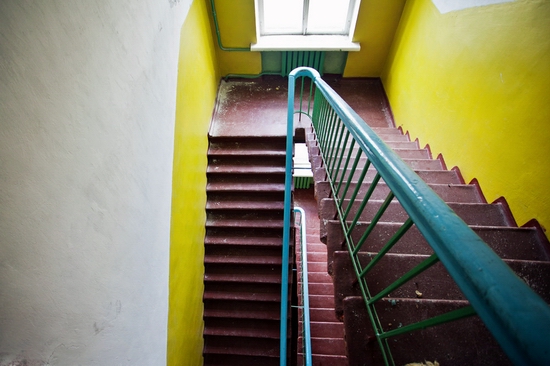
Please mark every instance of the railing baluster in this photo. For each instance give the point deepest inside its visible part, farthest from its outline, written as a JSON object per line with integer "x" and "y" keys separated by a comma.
{"x": 334, "y": 151}
{"x": 394, "y": 239}
{"x": 350, "y": 178}
{"x": 375, "y": 219}
{"x": 427, "y": 263}
{"x": 342, "y": 177}
{"x": 357, "y": 189}
{"x": 437, "y": 320}
{"x": 341, "y": 148}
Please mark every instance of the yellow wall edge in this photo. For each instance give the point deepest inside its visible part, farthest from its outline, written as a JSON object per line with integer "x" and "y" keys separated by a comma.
{"x": 198, "y": 77}
{"x": 474, "y": 84}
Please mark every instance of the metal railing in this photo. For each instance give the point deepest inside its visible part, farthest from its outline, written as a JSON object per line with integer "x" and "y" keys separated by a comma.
{"x": 303, "y": 272}
{"x": 517, "y": 317}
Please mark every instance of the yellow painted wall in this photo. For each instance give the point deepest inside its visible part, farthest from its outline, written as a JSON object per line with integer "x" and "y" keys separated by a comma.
{"x": 238, "y": 29}
{"x": 375, "y": 30}
{"x": 475, "y": 85}
{"x": 198, "y": 78}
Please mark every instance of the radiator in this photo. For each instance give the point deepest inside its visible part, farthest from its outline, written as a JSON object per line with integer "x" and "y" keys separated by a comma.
{"x": 294, "y": 59}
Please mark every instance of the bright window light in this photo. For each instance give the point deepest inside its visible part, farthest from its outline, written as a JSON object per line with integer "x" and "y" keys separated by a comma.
{"x": 282, "y": 17}
{"x": 328, "y": 17}
{"x": 306, "y": 17}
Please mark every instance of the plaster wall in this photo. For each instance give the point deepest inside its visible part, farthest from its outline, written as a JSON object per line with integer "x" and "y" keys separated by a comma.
{"x": 87, "y": 109}
{"x": 474, "y": 84}
{"x": 376, "y": 25}
{"x": 198, "y": 78}
{"x": 236, "y": 20}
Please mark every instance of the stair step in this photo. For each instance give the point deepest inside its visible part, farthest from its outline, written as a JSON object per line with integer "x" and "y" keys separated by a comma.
{"x": 415, "y": 153}
{"x": 244, "y": 205}
{"x": 325, "y": 315}
{"x": 242, "y": 327}
{"x": 244, "y": 278}
{"x": 245, "y": 187}
{"x": 455, "y": 344}
{"x": 433, "y": 283}
{"x": 326, "y": 346}
{"x": 463, "y": 193}
{"x": 322, "y": 288}
{"x": 320, "y": 301}
{"x": 325, "y": 360}
{"x": 213, "y": 239}
{"x": 245, "y": 223}
{"x": 244, "y": 169}
{"x": 327, "y": 329}
{"x": 244, "y": 259}
{"x": 241, "y": 309}
{"x": 508, "y": 242}
{"x": 430, "y": 176}
{"x": 241, "y": 346}
{"x": 472, "y": 213}
{"x": 238, "y": 360}
{"x": 242, "y": 296}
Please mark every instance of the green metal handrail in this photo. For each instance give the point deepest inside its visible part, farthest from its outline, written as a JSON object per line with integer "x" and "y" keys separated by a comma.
{"x": 517, "y": 317}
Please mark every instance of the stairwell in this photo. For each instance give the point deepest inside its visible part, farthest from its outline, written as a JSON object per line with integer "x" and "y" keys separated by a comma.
{"x": 243, "y": 245}
{"x": 525, "y": 250}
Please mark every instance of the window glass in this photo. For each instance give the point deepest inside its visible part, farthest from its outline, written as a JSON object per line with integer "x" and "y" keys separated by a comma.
{"x": 283, "y": 16}
{"x": 328, "y": 17}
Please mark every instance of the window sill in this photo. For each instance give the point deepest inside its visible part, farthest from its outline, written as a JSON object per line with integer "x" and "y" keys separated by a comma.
{"x": 305, "y": 43}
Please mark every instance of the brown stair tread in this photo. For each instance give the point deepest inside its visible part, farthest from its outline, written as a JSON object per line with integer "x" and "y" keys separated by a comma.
{"x": 243, "y": 313}
{"x": 242, "y": 296}
{"x": 457, "y": 343}
{"x": 507, "y": 242}
{"x": 251, "y": 187}
{"x": 243, "y": 259}
{"x": 244, "y": 205}
{"x": 472, "y": 213}
{"x": 325, "y": 360}
{"x": 461, "y": 193}
{"x": 242, "y": 331}
{"x": 239, "y": 169}
{"x": 242, "y": 346}
{"x": 245, "y": 223}
{"x": 243, "y": 278}
{"x": 326, "y": 346}
{"x": 211, "y": 239}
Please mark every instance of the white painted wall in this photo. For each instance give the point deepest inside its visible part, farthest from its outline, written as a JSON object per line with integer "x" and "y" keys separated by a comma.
{"x": 87, "y": 109}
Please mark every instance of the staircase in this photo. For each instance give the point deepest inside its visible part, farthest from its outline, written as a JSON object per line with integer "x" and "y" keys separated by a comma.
{"x": 464, "y": 342}
{"x": 243, "y": 242}
{"x": 243, "y": 247}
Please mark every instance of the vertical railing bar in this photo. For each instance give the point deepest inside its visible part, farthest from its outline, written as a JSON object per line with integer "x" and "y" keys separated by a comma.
{"x": 333, "y": 151}
{"x": 326, "y": 119}
{"x": 311, "y": 96}
{"x": 454, "y": 315}
{"x": 358, "y": 188}
{"x": 337, "y": 153}
{"x": 328, "y": 138}
{"x": 374, "y": 220}
{"x": 358, "y": 184}
{"x": 343, "y": 175}
{"x": 305, "y": 288}
{"x": 353, "y": 170}
{"x": 387, "y": 247}
{"x": 302, "y": 81}
{"x": 424, "y": 265}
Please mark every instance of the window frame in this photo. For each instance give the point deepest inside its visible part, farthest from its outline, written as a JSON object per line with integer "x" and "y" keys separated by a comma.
{"x": 306, "y": 40}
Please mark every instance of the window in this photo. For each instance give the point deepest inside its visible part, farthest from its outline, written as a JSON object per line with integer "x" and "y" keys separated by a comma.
{"x": 305, "y": 24}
